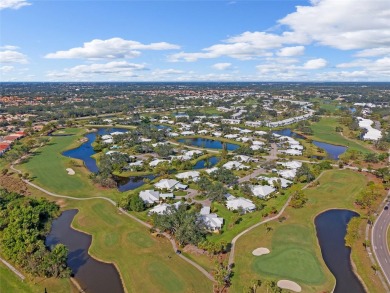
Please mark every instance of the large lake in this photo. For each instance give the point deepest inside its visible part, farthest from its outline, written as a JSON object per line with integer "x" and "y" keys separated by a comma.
{"x": 92, "y": 275}
{"x": 331, "y": 229}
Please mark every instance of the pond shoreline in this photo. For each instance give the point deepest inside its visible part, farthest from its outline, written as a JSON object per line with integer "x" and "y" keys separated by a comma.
{"x": 89, "y": 271}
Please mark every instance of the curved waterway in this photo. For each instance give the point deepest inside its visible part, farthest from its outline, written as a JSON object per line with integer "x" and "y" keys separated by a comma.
{"x": 331, "y": 229}
{"x": 208, "y": 143}
{"x": 92, "y": 275}
{"x": 85, "y": 151}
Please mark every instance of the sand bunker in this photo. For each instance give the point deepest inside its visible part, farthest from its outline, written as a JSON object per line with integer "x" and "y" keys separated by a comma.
{"x": 260, "y": 251}
{"x": 70, "y": 171}
{"x": 289, "y": 285}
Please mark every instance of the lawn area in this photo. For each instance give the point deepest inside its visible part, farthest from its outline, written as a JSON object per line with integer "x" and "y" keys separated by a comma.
{"x": 325, "y": 131}
{"x": 142, "y": 259}
{"x": 295, "y": 253}
{"x": 247, "y": 220}
{"x": 47, "y": 167}
{"x": 9, "y": 282}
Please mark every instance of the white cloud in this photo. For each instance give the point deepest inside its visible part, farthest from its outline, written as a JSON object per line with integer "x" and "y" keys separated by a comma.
{"x": 13, "y": 4}
{"x": 315, "y": 64}
{"x": 11, "y": 56}
{"x": 222, "y": 66}
{"x": 291, "y": 51}
{"x": 373, "y": 52}
{"x": 116, "y": 69}
{"x": 163, "y": 72}
{"x": 6, "y": 68}
{"x": 345, "y": 25}
{"x": 244, "y": 46}
{"x": 114, "y": 48}
{"x": 381, "y": 65}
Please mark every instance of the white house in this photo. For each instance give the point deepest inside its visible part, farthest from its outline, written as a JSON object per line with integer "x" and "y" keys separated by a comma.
{"x": 185, "y": 133}
{"x": 159, "y": 209}
{"x": 246, "y": 204}
{"x": 155, "y": 162}
{"x": 283, "y": 182}
{"x": 149, "y": 196}
{"x": 169, "y": 184}
{"x": 372, "y": 133}
{"x": 262, "y": 191}
{"x": 234, "y": 165}
{"x": 291, "y": 152}
{"x": 288, "y": 174}
{"x": 211, "y": 170}
{"x": 212, "y": 221}
{"x": 194, "y": 175}
{"x": 291, "y": 164}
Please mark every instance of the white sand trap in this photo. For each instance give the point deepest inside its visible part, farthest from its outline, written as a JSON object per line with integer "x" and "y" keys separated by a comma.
{"x": 70, "y": 171}
{"x": 260, "y": 251}
{"x": 289, "y": 285}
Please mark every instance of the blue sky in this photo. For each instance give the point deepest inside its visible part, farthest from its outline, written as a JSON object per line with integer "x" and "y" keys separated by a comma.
{"x": 276, "y": 40}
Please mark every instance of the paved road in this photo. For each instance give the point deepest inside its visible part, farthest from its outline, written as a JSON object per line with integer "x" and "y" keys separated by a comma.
{"x": 379, "y": 241}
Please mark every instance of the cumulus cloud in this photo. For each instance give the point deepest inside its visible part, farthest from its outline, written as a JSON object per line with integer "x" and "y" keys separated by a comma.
{"x": 345, "y": 25}
{"x": 373, "y": 52}
{"x": 13, "y": 4}
{"x": 111, "y": 69}
{"x": 381, "y": 65}
{"x": 291, "y": 51}
{"x": 222, "y": 66}
{"x": 244, "y": 46}
{"x": 6, "y": 68}
{"x": 315, "y": 64}
{"x": 164, "y": 72}
{"x": 114, "y": 48}
{"x": 12, "y": 56}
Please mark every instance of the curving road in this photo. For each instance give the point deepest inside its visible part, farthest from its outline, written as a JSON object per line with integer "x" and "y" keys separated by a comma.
{"x": 379, "y": 241}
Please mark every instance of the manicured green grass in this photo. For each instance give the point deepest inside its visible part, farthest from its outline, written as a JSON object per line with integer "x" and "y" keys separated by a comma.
{"x": 325, "y": 130}
{"x": 247, "y": 220}
{"x": 146, "y": 263}
{"x": 295, "y": 253}
{"x": 47, "y": 166}
{"x": 9, "y": 282}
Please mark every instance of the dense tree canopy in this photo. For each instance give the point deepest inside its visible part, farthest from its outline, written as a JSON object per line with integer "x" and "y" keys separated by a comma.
{"x": 185, "y": 225}
{"x": 24, "y": 224}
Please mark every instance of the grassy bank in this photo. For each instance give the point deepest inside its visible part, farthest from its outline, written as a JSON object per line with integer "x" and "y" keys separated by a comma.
{"x": 9, "y": 282}
{"x": 47, "y": 167}
{"x": 325, "y": 131}
{"x": 295, "y": 253}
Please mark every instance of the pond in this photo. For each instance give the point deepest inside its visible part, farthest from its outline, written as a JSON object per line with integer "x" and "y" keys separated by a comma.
{"x": 331, "y": 228}
{"x": 208, "y": 143}
{"x": 288, "y": 132}
{"x": 212, "y": 161}
{"x": 85, "y": 151}
{"x": 130, "y": 183}
{"x": 92, "y": 275}
{"x": 333, "y": 151}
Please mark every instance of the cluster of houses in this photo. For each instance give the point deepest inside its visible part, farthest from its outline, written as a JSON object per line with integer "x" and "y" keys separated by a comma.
{"x": 7, "y": 141}
{"x": 289, "y": 145}
{"x": 370, "y": 132}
